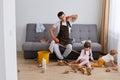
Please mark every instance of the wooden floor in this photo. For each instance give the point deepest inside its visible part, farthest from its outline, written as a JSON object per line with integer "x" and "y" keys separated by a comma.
{"x": 29, "y": 70}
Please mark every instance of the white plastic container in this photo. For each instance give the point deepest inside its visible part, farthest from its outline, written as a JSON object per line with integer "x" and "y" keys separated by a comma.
{"x": 43, "y": 64}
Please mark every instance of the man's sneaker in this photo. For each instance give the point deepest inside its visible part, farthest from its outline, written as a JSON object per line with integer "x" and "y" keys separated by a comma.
{"x": 66, "y": 60}
{"x": 62, "y": 63}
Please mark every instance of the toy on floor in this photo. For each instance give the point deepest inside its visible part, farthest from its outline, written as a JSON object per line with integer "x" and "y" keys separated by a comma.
{"x": 44, "y": 41}
{"x": 107, "y": 70}
{"x": 39, "y": 65}
{"x": 88, "y": 71}
{"x": 66, "y": 72}
{"x": 74, "y": 67}
{"x": 62, "y": 63}
{"x": 72, "y": 62}
{"x": 113, "y": 68}
{"x": 83, "y": 69}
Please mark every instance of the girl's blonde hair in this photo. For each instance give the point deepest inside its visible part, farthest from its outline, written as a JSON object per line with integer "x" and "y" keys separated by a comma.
{"x": 113, "y": 52}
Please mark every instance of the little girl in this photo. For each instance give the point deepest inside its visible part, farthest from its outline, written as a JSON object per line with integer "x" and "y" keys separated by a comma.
{"x": 84, "y": 57}
{"x": 107, "y": 58}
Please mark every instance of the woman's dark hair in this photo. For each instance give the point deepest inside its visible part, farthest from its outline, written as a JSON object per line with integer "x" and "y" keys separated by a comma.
{"x": 60, "y": 13}
{"x": 87, "y": 45}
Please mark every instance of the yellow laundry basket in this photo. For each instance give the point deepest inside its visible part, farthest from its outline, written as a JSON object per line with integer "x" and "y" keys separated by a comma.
{"x": 43, "y": 54}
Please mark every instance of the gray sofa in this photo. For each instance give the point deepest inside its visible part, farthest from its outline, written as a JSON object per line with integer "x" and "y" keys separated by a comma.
{"x": 79, "y": 32}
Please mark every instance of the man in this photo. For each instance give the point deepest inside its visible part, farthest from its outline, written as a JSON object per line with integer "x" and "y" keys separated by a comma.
{"x": 63, "y": 37}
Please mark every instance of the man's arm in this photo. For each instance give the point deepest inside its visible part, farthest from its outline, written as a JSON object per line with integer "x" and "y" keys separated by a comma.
{"x": 51, "y": 30}
{"x": 73, "y": 17}
{"x": 80, "y": 56}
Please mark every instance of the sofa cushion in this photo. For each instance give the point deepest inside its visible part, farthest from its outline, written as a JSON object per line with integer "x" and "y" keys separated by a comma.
{"x": 84, "y": 32}
{"x": 96, "y": 47}
{"x": 32, "y": 35}
{"x": 77, "y": 46}
{"x": 35, "y": 46}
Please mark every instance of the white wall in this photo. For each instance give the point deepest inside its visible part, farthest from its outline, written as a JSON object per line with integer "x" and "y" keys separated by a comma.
{"x": 45, "y": 11}
{"x": 8, "y": 62}
{"x": 2, "y": 55}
